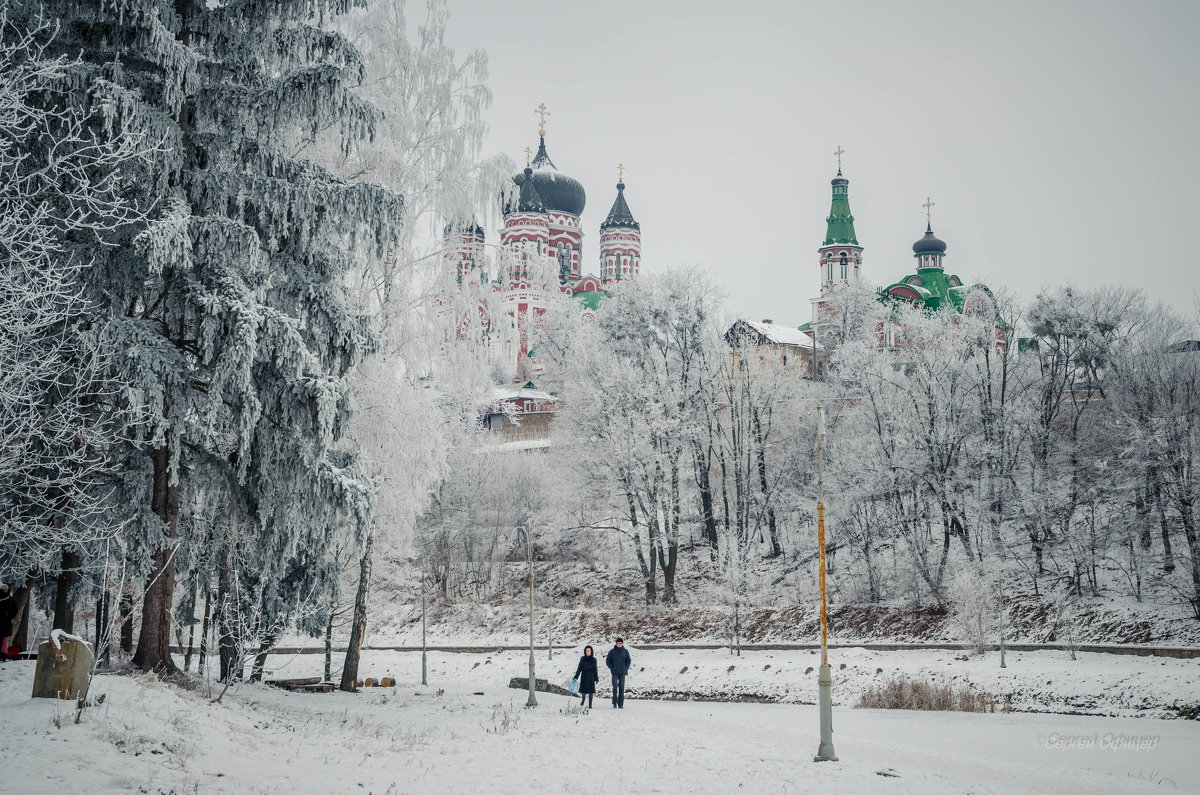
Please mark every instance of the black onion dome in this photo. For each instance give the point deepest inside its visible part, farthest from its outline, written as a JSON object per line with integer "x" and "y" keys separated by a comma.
{"x": 620, "y": 216}
{"x": 930, "y": 244}
{"x": 558, "y": 191}
{"x": 839, "y": 179}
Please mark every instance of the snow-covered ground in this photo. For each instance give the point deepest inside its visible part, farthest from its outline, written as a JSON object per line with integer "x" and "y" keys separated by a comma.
{"x": 468, "y": 732}
{"x": 1041, "y": 681}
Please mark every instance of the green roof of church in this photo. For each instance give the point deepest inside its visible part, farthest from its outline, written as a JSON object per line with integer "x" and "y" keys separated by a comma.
{"x": 590, "y": 298}
{"x": 934, "y": 287}
{"x": 840, "y": 223}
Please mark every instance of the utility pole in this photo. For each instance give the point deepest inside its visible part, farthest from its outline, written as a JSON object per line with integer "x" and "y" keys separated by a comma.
{"x": 550, "y": 631}
{"x": 424, "y": 667}
{"x": 532, "y": 701}
{"x": 825, "y": 752}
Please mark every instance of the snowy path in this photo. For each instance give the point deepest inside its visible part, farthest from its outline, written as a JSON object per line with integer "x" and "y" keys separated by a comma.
{"x": 153, "y": 737}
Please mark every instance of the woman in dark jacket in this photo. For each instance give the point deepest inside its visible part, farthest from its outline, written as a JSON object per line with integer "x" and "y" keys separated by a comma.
{"x": 588, "y": 675}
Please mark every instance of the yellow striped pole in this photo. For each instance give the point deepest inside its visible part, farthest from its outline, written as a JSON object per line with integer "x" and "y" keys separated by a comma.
{"x": 825, "y": 752}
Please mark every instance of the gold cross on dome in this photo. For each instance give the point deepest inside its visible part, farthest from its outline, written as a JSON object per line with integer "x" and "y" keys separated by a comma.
{"x": 838, "y": 154}
{"x": 620, "y": 172}
{"x": 928, "y": 205}
{"x": 528, "y": 155}
{"x": 542, "y": 113}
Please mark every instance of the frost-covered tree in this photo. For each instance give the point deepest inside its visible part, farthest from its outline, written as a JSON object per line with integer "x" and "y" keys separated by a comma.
{"x": 427, "y": 149}
{"x": 1072, "y": 337}
{"x": 227, "y": 314}
{"x": 60, "y": 185}
{"x": 632, "y": 382}
{"x": 919, "y": 405}
{"x": 974, "y": 596}
{"x": 1154, "y": 386}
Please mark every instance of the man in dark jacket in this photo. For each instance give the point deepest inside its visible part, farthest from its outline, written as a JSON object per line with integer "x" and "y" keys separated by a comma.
{"x": 618, "y": 664}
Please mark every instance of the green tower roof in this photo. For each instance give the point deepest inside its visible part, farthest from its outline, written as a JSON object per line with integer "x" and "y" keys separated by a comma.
{"x": 840, "y": 228}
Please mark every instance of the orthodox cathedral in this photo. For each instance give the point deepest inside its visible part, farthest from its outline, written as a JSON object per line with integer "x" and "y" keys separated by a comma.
{"x": 540, "y": 259}
{"x": 840, "y": 260}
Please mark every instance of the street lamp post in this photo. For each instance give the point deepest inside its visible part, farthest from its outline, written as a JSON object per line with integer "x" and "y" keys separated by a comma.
{"x": 825, "y": 752}
{"x": 532, "y": 701}
{"x": 424, "y": 666}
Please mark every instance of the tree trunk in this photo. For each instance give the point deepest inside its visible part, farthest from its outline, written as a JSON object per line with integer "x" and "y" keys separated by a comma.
{"x": 1141, "y": 507}
{"x": 104, "y": 628}
{"x": 64, "y": 603}
{"x": 154, "y": 641}
{"x": 126, "y": 610}
{"x": 21, "y": 620}
{"x": 229, "y": 641}
{"x": 1189, "y": 533}
{"x": 1168, "y": 557}
{"x": 260, "y": 659}
{"x": 647, "y": 568}
{"x": 668, "y": 569}
{"x": 191, "y": 644}
{"x": 704, "y": 484}
{"x": 761, "y": 454}
{"x": 358, "y": 627}
{"x": 204, "y": 632}
{"x": 99, "y": 623}
{"x": 329, "y": 649}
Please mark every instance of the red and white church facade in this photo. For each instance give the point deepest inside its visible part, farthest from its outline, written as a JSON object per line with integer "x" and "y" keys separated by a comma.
{"x": 499, "y": 303}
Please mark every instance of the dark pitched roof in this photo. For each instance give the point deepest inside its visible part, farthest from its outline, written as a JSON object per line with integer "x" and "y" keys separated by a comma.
{"x": 619, "y": 215}
{"x": 529, "y": 200}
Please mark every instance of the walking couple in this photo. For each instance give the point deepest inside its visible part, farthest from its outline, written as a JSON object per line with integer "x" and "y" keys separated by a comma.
{"x": 588, "y": 674}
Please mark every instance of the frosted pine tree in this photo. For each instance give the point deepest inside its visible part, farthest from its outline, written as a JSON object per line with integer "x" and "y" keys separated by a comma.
{"x": 58, "y": 185}
{"x": 228, "y": 313}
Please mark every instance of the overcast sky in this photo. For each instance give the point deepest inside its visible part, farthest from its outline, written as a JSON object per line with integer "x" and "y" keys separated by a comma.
{"x": 1058, "y": 140}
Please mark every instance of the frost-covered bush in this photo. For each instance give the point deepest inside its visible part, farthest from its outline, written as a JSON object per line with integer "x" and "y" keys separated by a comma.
{"x": 975, "y": 608}
{"x": 916, "y": 694}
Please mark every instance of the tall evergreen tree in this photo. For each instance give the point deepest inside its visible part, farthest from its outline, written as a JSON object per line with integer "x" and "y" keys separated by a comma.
{"x": 58, "y": 184}
{"x": 225, "y": 315}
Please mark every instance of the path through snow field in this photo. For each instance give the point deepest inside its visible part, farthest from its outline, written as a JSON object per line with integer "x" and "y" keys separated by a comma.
{"x": 151, "y": 737}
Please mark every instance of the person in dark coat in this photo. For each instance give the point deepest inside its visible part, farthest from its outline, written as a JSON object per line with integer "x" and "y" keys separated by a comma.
{"x": 8, "y": 611}
{"x": 618, "y": 665}
{"x": 588, "y": 675}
